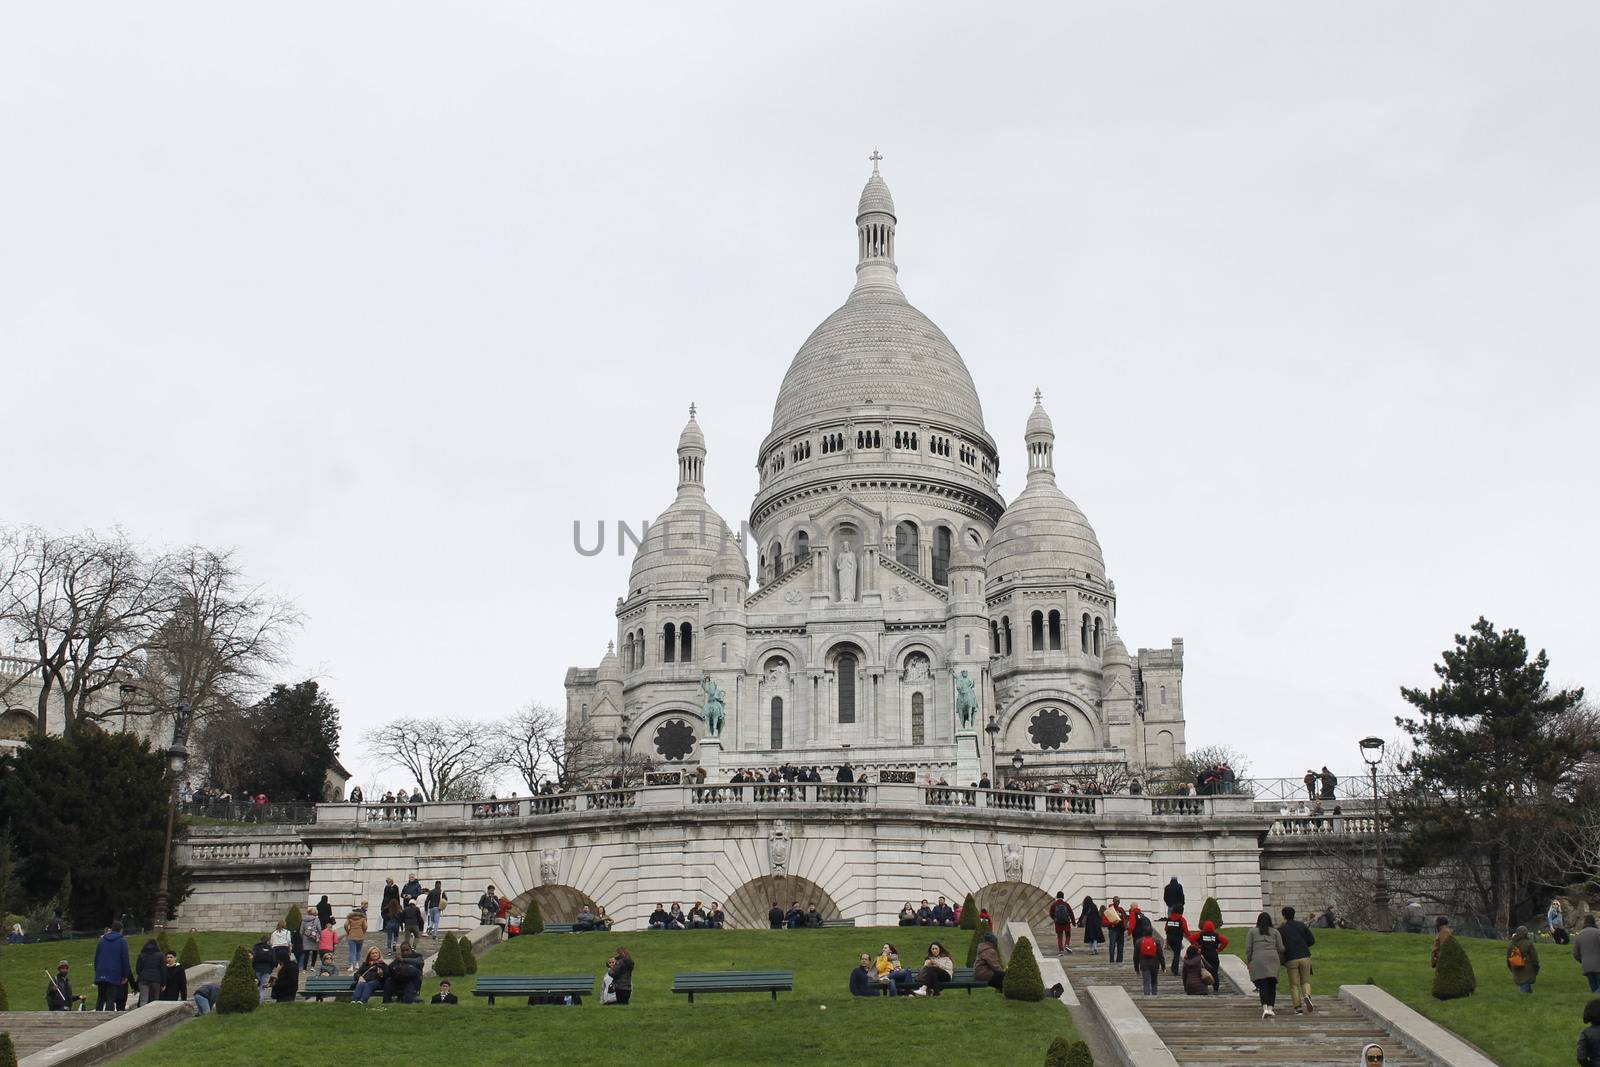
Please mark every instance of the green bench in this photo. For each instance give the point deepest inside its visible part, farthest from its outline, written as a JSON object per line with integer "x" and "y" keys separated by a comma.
{"x": 317, "y": 988}
{"x": 962, "y": 979}
{"x": 733, "y": 982}
{"x": 828, "y": 924}
{"x": 534, "y": 985}
{"x": 559, "y": 928}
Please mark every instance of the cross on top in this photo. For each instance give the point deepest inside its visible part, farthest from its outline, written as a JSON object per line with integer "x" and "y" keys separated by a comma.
{"x": 876, "y": 155}
{"x": 1038, "y": 397}
{"x": 691, "y": 409}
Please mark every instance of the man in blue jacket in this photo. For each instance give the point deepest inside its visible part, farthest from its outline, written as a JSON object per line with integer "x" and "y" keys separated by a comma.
{"x": 112, "y": 967}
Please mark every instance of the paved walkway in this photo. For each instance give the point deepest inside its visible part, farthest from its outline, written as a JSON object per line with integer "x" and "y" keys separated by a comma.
{"x": 1228, "y": 1028}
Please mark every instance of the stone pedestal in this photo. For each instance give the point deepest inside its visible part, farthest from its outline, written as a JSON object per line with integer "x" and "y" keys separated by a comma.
{"x": 711, "y": 759}
{"x": 969, "y": 768}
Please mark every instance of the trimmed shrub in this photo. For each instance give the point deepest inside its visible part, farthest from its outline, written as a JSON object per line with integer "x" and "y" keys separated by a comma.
{"x": 972, "y": 947}
{"x": 164, "y": 943}
{"x": 448, "y": 963}
{"x": 1453, "y": 977}
{"x": 5, "y": 999}
{"x": 239, "y": 991}
{"x": 533, "y": 919}
{"x": 1079, "y": 1056}
{"x": 969, "y": 913}
{"x": 1211, "y": 911}
{"x": 1023, "y": 981}
{"x": 8, "y": 1051}
{"x": 1056, "y": 1054}
{"x": 469, "y": 961}
{"x": 294, "y": 918}
{"x": 190, "y": 956}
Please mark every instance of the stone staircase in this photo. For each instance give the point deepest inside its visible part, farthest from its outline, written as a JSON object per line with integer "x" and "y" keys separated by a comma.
{"x": 32, "y": 1031}
{"x": 1227, "y": 1029}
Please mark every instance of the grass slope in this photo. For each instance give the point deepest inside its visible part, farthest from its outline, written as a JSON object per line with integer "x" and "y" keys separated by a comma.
{"x": 1510, "y": 1027}
{"x": 23, "y": 968}
{"x": 657, "y": 1027}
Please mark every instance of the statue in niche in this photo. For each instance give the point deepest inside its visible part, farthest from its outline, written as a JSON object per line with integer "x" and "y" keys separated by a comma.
{"x": 917, "y": 668}
{"x": 549, "y": 866}
{"x": 966, "y": 700}
{"x": 1012, "y": 858}
{"x": 778, "y": 674}
{"x": 713, "y": 708}
{"x": 846, "y": 566}
{"x": 778, "y": 847}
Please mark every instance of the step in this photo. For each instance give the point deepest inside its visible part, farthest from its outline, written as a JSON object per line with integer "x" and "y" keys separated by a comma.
{"x": 32, "y": 1031}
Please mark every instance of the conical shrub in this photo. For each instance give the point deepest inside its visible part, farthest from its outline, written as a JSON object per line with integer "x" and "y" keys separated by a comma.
{"x": 1023, "y": 981}
{"x": 8, "y": 1051}
{"x": 164, "y": 943}
{"x": 448, "y": 963}
{"x": 1453, "y": 977}
{"x": 972, "y": 947}
{"x": 1211, "y": 911}
{"x": 469, "y": 961}
{"x": 293, "y": 919}
{"x": 1056, "y": 1054}
{"x": 239, "y": 991}
{"x": 969, "y": 913}
{"x": 533, "y": 919}
{"x": 1079, "y": 1055}
{"x": 190, "y": 956}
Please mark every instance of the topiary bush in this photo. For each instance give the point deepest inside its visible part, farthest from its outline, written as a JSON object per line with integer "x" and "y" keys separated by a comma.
{"x": 190, "y": 956}
{"x": 240, "y": 993}
{"x": 1079, "y": 1056}
{"x": 294, "y": 918}
{"x": 1056, "y": 1054}
{"x": 1211, "y": 911}
{"x": 969, "y": 914}
{"x": 1453, "y": 977}
{"x": 8, "y": 1051}
{"x": 533, "y": 919}
{"x": 972, "y": 947}
{"x": 448, "y": 963}
{"x": 164, "y": 943}
{"x": 1023, "y": 981}
{"x": 469, "y": 961}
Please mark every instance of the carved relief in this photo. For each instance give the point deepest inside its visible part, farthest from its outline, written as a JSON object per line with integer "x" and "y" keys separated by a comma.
{"x": 549, "y": 866}
{"x": 1012, "y": 857}
{"x": 778, "y": 848}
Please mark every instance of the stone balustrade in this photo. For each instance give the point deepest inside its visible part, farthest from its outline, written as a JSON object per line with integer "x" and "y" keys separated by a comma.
{"x": 1322, "y": 825}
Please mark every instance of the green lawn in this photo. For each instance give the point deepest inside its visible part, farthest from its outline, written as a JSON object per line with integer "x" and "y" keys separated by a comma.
{"x": 1510, "y": 1027}
{"x": 657, "y": 1027}
{"x": 23, "y": 968}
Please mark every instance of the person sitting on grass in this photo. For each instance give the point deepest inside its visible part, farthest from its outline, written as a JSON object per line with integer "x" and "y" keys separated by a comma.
{"x": 602, "y": 921}
{"x": 659, "y": 919}
{"x": 794, "y": 918}
{"x": 370, "y": 976}
{"x": 942, "y": 915}
{"x": 697, "y": 917}
{"x": 864, "y": 980}
{"x": 1198, "y": 979}
{"x": 679, "y": 921}
{"x": 937, "y": 969}
{"x": 813, "y": 918}
{"x": 716, "y": 919}
{"x": 444, "y": 996}
{"x": 585, "y": 920}
{"x": 986, "y": 964}
{"x": 924, "y": 914}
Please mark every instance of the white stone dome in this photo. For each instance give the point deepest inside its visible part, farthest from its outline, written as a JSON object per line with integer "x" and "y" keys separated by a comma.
{"x": 682, "y": 546}
{"x": 1043, "y": 533}
{"x": 875, "y": 196}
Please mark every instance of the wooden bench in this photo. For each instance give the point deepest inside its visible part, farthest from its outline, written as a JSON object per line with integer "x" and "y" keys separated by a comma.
{"x": 338, "y": 986}
{"x": 534, "y": 985}
{"x": 828, "y": 924}
{"x": 733, "y": 982}
{"x": 962, "y": 979}
{"x": 559, "y": 928}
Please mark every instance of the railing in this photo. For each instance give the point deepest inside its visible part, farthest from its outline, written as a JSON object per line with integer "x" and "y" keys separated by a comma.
{"x": 1347, "y": 788}
{"x": 1323, "y": 825}
{"x": 782, "y": 793}
{"x": 224, "y": 852}
{"x": 1177, "y": 806}
{"x": 243, "y": 811}
{"x": 17, "y": 666}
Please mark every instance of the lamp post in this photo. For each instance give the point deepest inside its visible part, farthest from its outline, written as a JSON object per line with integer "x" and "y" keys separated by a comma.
{"x": 177, "y": 760}
{"x": 1372, "y": 753}
{"x": 127, "y": 690}
{"x": 1016, "y": 762}
{"x": 993, "y": 730}
{"x": 624, "y": 742}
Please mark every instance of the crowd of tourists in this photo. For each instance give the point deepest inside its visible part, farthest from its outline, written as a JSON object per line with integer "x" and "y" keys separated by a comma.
{"x": 698, "y": 917}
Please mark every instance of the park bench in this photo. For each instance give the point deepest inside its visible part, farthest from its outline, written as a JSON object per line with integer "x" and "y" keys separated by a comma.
{"x": 559, "y": 928}
{"x": 534, "y": 985}
{"x": 337, "y": 986}
{"x": 962, "y": 979}
{"x": 733, "y": 982}
{"x": 828, "y": 924}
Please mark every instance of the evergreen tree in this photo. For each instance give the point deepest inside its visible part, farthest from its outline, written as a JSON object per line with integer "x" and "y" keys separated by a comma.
{"x": 533, "y": 919}
{"x": 1453, "y": 976}
{"x": 469, "y": 959}
{"x": 972, "y": 947}
{"x": 190, "y": 954}
{"x": 1211, "y": 911}
{"x": 299, "y": 725}
{"x": 239, "y": 994}
{"x": 1023, "y": 981}
{"x": 8, "y": 1051}
{"x": 1056, "y": 1054}
{"x": 1079, "y": 1055}
{"x": 1493, "y": 769}
{"x": 448, "y": 963}
{"x": 164, "y": 943}
{"x": 294, "y": 918}
{"x": 969, "y": 913}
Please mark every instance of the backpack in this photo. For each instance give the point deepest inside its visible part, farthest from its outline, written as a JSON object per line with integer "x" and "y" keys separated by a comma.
{"x": 1516, "y": 960}
{"x": 1061, "y": 913}
{"x": 261, "y": 956}
{"x": 1148, "y": 948}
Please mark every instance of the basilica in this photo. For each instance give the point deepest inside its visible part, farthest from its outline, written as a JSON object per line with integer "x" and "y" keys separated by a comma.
{"x": 887, "y": 565}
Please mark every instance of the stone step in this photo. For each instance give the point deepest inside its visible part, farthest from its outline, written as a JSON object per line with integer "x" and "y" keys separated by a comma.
{"x": 32, "y": 1031}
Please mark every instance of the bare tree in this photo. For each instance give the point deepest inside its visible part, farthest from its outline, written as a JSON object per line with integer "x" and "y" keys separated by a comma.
{"x": 542, "y": 745}
{"x": 86, "y": 606}
{"x": 443, "y": 756}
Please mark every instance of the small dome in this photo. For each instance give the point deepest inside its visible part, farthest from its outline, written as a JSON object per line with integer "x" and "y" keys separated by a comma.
{"x": 1039, "y": 421}
{"x": 681, "y": 546}
{"x": 1116, "y": 651}
{"x": 1043, "y": 533}
{"x": 610, "y": 669}
{"x": 692, "y": 437}
{"x": 731, "y": 563}
{"x": 875, "y": 197}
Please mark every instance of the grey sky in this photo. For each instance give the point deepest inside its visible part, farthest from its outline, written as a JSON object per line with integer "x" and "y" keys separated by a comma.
{"x": 387, "y": 295}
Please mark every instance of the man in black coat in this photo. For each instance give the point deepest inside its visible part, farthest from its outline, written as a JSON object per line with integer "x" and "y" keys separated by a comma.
{"x": 1172, "y": 896}
{"x": 58, "y": 995}
{"x": 775, "y": 916}
{"x": 794, "y": 918}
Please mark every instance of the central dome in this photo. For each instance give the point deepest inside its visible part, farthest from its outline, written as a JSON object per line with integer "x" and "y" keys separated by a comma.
{"x": 877, "y": 351}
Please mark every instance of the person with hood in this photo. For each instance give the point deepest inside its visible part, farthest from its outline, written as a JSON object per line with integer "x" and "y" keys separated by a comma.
{"x": 1297, "y": 942}
{"x": 355, "y": 932}
{"x": 1172, "y": 896}
{"x": 1372, "y": 1055}
{"x": 1589, "y": 1039}
{"x": 1198, "y": 979}
{"x": 151, "y": 971}
{"x": 1586, "y": 950}
{"x": 112, "y": 967}
{"x": 1093, "y": 929}
{"x": 1522, "y": 959}
{"x": 1263, "y": 951}
{"x": 174, "y": 979}
{"x": 1210, "y": 942}
{"x": 986, "y": 963}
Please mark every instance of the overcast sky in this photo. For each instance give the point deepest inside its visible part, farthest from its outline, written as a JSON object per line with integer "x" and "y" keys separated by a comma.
{"x": 387, "y": 295}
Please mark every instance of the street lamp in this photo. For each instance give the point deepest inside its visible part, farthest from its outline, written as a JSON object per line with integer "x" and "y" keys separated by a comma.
{"x": 1016, "y": 761}
{"x": 993, "y": 730}
{"x": 177, "y": 761}
{"x": 127, "y": 690}
{"x": 624, "y": 741}
{"x": 1372, "y": 753}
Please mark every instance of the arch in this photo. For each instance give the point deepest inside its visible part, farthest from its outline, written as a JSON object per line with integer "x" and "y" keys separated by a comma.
{"x": 747, "y": 906}
{"x": 908, "y": 545}
{"x": 903, "y": 650}
{"x": 1164, "y": 748}
{"x": 1055, "y": 631}
{"x": 627, "y": 651}
{"x": 1019, "y": 902}
{"x": 845, "y": 665}
{"x": 686, "y": 643}
{"x": 1036, "y": 632}
{"x": 1084, "y": 643}
{"x": 994, "y": 636}
{"x": 1005, "y": 628}
{"x": 942, "y": 539}
{"x": 669, "y": 634}
{"x": 918, "y": 725}
{"x": 17, "y": 724}
{"x": 1099, "y": 629}
{"x": 557, "y": 903}
{"x": 777, "y": 722}
{"x": 1016, "y": 724}
{"x": 644, "y": 736}
{"x": 775, "y": 550}
{"x": 802, "y": 547}
{"x": 724, "y": 655}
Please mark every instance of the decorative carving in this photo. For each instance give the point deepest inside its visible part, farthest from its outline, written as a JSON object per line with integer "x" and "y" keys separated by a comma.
{"x": 674, "y": 740}
{"x": 794, "y": 596}
{"x": 712, "y": 709}
{"x": 1051, "y": 728}
{"x": 1012, "y": 857}
{"x": 897, "y": 777}
{"x": 917, "y": 669}
{"x": 899, "y": 592}
{"x": 846, "y": 566}
{"x": 778, "y": 674}
{"x": 966, "y": 700}
{"x": 663, "y": 777}
{"x": 549, "y": 866}
{"x": 778, "y": 847}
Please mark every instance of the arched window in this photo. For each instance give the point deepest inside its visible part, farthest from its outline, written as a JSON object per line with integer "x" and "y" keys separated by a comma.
{"x": 1163, "y": 694}
{"x": 627, "y": 652}
{"x": 802, "y": 547}
{"x": 1084, "y": 638}
{"x": 907, "y": 547}
{"x": 724, "y": 651}
{"x": 916, "y": 719}
{"x": 994, "y": 636}
{"x": 1055, "y": 631}
{"x": 1036, "y": 632}
{"x": 776, "y": 552}
{"x": 846, "y": 668}
{"x": 777, "y": 722}
{"x": 1099, "y": 627}
{"x": 669, "y": 644}
{"x": 966, "y": 645}
{"x": 686, "y": 643}
{"x": 1005, "y": 632}
{"x": 583, "y": 711}
{"x": 640, "y": 651}
{"x": 941, "y": 555}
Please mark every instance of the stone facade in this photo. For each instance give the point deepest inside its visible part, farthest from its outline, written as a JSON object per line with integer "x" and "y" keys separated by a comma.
{"x": 888, "y": 563}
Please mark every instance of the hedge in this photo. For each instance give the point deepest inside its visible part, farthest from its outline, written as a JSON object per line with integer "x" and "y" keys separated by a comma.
{"x": 1453, "y": 977}
{"x": 1023, "y": 981}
